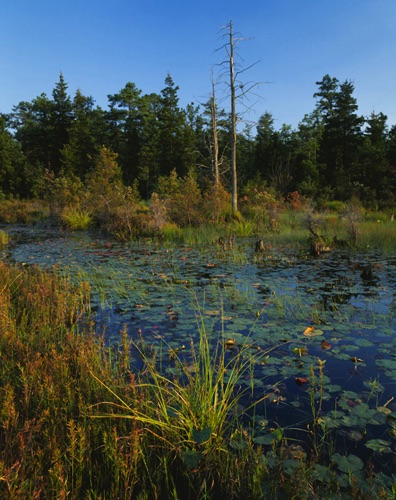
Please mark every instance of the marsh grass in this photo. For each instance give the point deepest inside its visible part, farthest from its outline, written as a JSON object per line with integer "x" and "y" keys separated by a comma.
{"x": 378, "y": 234}
{"x": 76, "y": 422}
{"x": 4, "y": 238}
{"x": 76, "y": 218}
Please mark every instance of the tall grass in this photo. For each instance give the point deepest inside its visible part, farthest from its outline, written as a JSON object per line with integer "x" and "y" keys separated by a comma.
{"x": 23, "y": 211}
{"x": 4, "y": 238}
{"x": 76, "y": 422}
{"x": 378, "y": 234}
{"x": 192, "y": 412}
{"x": 77, "y": 219}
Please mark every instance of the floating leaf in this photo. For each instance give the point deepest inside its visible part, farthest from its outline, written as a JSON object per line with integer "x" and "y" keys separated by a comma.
{"x": 212, "y": 312}
{"x": 348, "y": 464}
{"x": 384, "y": 409}
{"x": 300, "y": 351}
{"x": 325, "y": 345}
{"x": 309, "y": 330}
{"x": 354, "y": 359}
{"x": 379, "y": 445}
{"x": 301, "y": 380}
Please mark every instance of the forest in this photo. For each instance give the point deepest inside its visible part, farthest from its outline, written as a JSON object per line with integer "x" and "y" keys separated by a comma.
{"x": 56, "y": 148}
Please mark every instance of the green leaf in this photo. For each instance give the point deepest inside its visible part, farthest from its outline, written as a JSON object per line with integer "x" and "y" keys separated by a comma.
{"x": 348, "y": 464}
{"x": 379, "y": 445}
{"x": 201, "y": 436}
{"x": 191, "y": 458}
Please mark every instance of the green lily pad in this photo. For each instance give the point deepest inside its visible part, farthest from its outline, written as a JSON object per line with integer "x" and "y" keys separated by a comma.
{"x": 348, "y": 464}
{"x": 379, "y": 445}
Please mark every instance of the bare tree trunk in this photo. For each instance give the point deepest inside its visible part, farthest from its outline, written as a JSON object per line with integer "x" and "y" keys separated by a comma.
{"x": 215, "y": 153}
{"x": 234, "y": 179}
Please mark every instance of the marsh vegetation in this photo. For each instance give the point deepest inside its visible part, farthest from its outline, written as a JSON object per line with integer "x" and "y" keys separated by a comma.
{"x": 177, "y": 367}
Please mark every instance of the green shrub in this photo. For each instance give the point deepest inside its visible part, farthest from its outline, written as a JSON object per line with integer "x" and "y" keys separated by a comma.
{"x": 334, "y": 206}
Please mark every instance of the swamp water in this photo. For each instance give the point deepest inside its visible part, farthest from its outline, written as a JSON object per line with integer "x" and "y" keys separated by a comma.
{"x": 324, "y": 328}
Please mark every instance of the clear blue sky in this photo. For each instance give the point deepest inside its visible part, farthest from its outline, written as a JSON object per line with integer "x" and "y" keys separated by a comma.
{"x": 100, "y": 45}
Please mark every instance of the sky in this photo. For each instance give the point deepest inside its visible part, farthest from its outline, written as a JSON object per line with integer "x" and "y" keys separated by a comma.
{"x": 100, "y": 45}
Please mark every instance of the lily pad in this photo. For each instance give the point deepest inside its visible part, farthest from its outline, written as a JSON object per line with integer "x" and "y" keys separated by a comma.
{"x": 348, "y": 464}
{"x": 311, "y": 331}
{"x": 379, "y": 445}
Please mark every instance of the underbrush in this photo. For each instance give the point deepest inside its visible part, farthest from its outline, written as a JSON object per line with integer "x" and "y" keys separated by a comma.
{"x": 23, "y": 211}
{"x": 77, "y": 422}
{"x": 118, "y": 211}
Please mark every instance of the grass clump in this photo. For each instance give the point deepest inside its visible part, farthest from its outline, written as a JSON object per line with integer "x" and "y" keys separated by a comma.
{"x": 76, "y": 219}
{"x": 191, "y": 415}
{"x": 4, "y": 238}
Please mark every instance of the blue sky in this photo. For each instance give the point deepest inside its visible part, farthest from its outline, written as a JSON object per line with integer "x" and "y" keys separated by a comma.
{"x": 100, "y": 45}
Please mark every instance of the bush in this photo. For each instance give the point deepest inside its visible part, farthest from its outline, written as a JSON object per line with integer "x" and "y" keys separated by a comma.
{"x": 334, "y": 206}
{"x": 22, "y": 211}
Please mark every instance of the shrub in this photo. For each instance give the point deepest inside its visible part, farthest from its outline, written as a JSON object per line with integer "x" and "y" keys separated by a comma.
{"x": 22, "y": 211}
{"x": 59, "y": 191}
{"x": 216, "y": 204}
{"x": 181, "y": 198}
{"x": 334, "y": 206}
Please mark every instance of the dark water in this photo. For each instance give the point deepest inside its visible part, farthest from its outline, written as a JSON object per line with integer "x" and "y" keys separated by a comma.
{"x": 161, "y": 294}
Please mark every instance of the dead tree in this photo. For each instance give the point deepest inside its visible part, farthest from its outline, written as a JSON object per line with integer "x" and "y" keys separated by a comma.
{"x": 244, "y": 89}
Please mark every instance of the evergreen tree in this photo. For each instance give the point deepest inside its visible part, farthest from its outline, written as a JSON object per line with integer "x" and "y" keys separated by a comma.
{"x": 341, "y": 136}
{"x": 275, "y": 152}
{"x": 149, "y": 159}
{"x": 125, "y": 118}
{"x": 61, "y": 121}
{"x": 32, "y": 122}
{"x": 86, "y": 136}
{"x": 306, "y": 173}
{"x": 172, "y": 123}
{"x": 12, "y": 163}
{"x": 370, "y": 177}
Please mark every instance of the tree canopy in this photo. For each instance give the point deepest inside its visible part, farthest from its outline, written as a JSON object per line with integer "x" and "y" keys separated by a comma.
{"x": 335, "y": 153}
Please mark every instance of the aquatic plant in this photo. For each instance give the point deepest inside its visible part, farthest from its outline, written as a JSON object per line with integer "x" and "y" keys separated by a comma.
{"x": 192, "y": 413}
{"x": 336, "y": 308}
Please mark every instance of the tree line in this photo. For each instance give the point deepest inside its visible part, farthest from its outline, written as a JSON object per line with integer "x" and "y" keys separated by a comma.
{"x": 333, "y": 154}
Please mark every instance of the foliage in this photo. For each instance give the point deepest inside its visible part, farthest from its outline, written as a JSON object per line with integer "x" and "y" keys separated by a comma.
{"x": 216, "y": 204}
{"x": 76, "y": 218}
{"x": 115, "y": 207}
{"x": 333, "y": 154}
{"x": 4, "y": 238}
{"x": 58, "y": 191}
{"x": 22, "y": 211}
{"x": 144, "y": 418}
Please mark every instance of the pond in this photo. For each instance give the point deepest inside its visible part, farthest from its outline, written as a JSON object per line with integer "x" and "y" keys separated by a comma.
{"x": 326, "y": 326}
